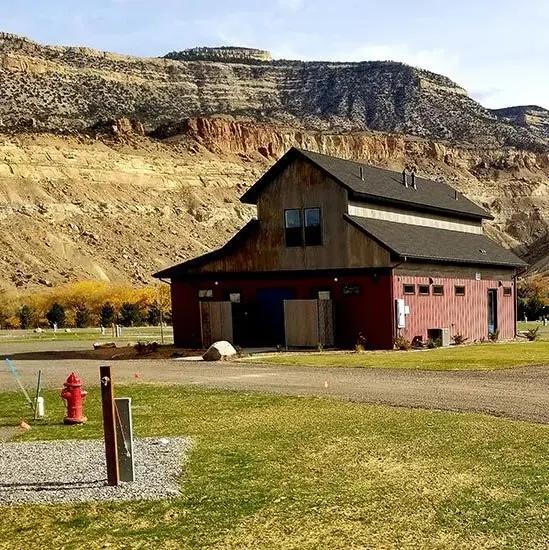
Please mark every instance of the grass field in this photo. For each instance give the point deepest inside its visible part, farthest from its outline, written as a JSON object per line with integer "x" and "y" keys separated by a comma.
{"x": 474, "y": 357}
{"x": 307, "y": 473}
{"x": 129, "y": 334}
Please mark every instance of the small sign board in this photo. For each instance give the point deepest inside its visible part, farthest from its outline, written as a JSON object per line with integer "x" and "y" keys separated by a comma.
{"x": 124, "y": 438}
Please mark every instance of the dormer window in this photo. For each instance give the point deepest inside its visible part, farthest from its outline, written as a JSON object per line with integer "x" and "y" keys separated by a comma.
{"x": 313, "y": 228}
{"x": 293, "y": 227}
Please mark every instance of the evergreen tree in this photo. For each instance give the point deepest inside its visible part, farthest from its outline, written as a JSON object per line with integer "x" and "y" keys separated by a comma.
{"x": 25, "y": 316}
{"x": 56, "y": 315}
{"x": 130, "y": 314}
{"x": 82, "y": 316}
{"x": 107, "y": 315}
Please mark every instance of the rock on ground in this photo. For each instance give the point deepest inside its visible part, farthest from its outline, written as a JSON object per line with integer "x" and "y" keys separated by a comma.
{"x": 219, "y": 350}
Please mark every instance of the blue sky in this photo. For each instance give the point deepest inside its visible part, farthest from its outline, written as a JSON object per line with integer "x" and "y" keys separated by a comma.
{"x": 497, "y": 50}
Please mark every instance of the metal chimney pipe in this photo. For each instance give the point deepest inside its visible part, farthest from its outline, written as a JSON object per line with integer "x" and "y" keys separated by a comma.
{"x": 414, "y": 180}
{"x": 361, "y": 172}
{"x": 404, "y": 178}
{"x": 455, "y": 194}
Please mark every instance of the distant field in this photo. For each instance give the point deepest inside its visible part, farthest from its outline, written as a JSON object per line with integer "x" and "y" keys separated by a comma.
{"x": 129, "y": 334}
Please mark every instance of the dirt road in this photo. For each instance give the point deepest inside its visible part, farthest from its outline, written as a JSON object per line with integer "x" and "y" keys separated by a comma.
{"x": 521, "y": 393}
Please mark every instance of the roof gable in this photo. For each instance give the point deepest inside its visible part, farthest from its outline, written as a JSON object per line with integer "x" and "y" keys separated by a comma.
{"x": 377, "y": 185}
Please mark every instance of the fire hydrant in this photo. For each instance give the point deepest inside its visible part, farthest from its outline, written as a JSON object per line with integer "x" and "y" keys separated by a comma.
{"x": 74, "y": 396}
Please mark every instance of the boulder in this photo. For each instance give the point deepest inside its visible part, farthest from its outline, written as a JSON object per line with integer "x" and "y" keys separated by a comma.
{"x": 219, "y": 350}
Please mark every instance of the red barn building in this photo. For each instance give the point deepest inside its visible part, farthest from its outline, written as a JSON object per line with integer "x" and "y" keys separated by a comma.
{"x": 342, "y": 251}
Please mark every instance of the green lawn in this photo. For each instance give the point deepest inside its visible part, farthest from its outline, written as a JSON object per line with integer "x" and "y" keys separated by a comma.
{"x": 270, "y": 472}
{"x": 543, "y": 331}
{"x": 473, "y": 357}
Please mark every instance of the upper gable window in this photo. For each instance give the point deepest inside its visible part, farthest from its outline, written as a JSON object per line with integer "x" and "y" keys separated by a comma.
{"x": 293, "y": 227}
{"x": 313, "y": 227}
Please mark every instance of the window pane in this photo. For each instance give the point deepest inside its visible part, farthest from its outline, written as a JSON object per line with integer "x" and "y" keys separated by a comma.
{"x": 438, "y": 290}
{"x": 313, "y": 229}
{"x": 409, "y": 289}
{"x": 460, "y": 290}
{"x": 424, "y": 290}
{"x": 292, "y": 218}
{"x": 312, "y": 217}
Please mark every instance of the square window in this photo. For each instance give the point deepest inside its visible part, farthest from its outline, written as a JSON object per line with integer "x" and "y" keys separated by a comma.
{"x": 313, "y": 227}
{"x": 409, "y": 289}
{"x": 424, "y": 290}
{"x": 507, "y": 291}
{"x": 234, "y": 297}
{"x": 438, "y": 290}
{"x": 293, "y": 227}
{"x": 459, "y": 290}
{"x": 205, "y": 293}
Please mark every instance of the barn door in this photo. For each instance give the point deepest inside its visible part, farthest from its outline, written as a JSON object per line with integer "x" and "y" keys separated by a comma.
{"x": 216, "y": 321}
{"x": 308, "y": 323}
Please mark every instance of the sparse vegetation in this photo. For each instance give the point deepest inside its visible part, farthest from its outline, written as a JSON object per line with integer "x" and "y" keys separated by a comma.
{"x": 459, "y": 339}
{"x": 402, "y": 344}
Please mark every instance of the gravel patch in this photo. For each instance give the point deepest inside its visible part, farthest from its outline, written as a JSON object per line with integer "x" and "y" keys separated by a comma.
{"x": 48, "y": 472}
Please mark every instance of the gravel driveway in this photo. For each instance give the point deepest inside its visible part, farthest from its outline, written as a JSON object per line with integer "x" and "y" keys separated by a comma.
{"x": 521, "y": 393}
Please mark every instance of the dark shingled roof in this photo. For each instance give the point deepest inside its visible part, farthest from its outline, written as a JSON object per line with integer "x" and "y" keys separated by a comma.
{"x": 431, "y": 243}
{"x": 379, "y": 185}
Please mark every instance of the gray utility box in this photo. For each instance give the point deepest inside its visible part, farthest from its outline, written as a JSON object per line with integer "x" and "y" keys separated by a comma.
{"x": 440, "y": 334}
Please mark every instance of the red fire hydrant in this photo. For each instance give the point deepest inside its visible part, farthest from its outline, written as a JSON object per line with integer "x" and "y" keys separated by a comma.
{"x": 74, "y": 396}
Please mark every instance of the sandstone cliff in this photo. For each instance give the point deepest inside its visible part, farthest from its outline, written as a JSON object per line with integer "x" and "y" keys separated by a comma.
{"x": 121, "y": 207}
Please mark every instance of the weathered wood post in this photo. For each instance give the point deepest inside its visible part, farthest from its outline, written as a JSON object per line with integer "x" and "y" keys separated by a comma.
{"x": 109, "y": 427}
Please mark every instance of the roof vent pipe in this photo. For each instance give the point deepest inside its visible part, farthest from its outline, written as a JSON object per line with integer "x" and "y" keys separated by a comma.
{"x": 455, "y": 194}
{"x": 414, "y": 180}
{"x": 404, "y": 180}
{"x": 361, "y": 173}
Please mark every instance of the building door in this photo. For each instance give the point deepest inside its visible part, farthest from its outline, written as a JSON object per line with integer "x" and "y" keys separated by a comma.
{"x": 492, "y": 310}
{"x": 271, "y": 315}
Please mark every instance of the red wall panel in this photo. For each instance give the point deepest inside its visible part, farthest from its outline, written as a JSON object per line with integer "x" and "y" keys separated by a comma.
{"x": 369, "y": 312}
{"x": 467, "y": 315}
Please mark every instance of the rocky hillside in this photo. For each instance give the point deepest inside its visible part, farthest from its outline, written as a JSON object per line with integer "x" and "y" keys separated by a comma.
{"x": 112, "y": 166}
{"x": 57, "y": 88}
{"x": 119, "y": 205}
{"x": 532, "y": 117}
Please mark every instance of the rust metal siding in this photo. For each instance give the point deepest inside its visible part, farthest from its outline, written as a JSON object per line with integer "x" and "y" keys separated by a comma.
{"x": 467, "y": 315}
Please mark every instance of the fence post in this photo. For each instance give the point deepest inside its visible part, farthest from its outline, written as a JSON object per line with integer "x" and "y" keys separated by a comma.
{"x": 109, "y": 428}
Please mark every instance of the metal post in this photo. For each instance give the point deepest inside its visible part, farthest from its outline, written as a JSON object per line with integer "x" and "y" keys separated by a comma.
{"x": 124, "y": 437}
{"x": 109, "y": 427}
{"x": 38, "y": 387}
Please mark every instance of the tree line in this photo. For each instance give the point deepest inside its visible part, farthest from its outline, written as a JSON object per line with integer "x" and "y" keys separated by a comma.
{"x": 86, "y": 304}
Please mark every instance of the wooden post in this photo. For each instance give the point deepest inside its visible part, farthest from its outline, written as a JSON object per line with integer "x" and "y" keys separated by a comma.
{"x": 38, "y": 388}
{"x": 109, "y": 427}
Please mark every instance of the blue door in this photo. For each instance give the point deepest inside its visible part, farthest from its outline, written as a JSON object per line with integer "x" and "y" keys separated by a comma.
{"x": 271, "y": 315}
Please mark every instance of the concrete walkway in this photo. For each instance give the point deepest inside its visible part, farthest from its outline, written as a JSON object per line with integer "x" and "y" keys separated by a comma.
{"x": 521, "y": 393}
